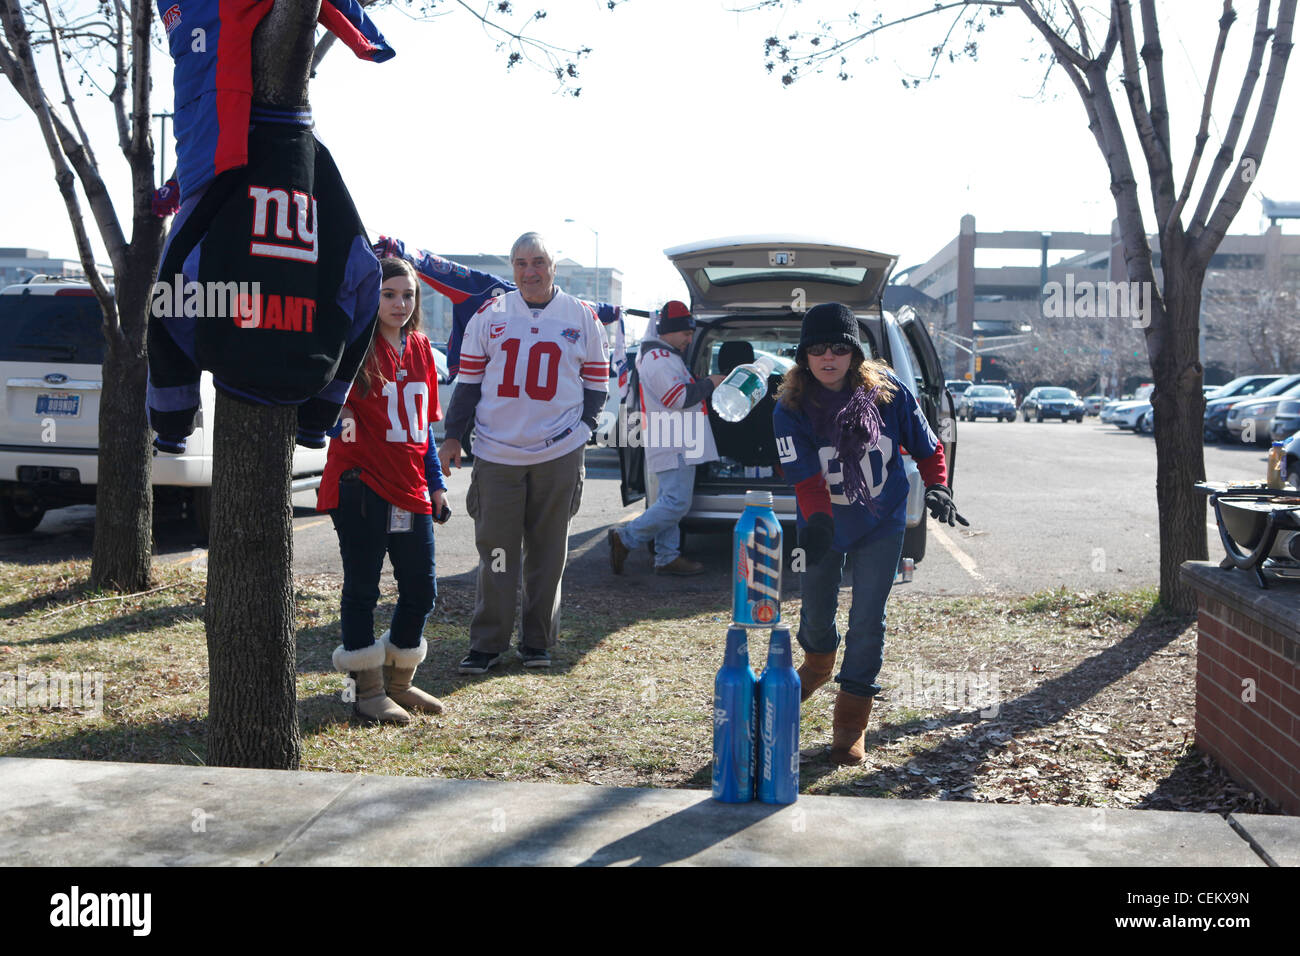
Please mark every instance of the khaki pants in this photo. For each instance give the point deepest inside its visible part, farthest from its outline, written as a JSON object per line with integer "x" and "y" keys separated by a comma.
{"x": 524, "y": 507}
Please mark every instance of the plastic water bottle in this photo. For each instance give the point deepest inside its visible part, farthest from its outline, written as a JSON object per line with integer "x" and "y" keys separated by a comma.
{"x": 742, "y": 389}
{"x": 778, "y": 717}
{"x": 734, "y": 692}
{"x": 756, "y": 564}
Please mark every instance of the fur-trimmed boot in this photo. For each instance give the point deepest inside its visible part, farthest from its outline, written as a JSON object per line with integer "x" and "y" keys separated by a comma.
{"x": 849, "y": 727}
{"x": 813, "y": 672}
{"x": 399, "y": 670}
{"x": 366, "y": 666}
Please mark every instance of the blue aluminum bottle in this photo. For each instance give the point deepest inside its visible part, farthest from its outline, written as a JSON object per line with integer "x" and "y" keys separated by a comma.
{"x": 734, "y": 691}
{"x": 756, "y": 564}
{"x": 778, "y": 718}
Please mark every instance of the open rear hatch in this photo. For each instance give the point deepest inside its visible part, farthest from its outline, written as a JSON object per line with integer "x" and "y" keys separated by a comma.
{"x": 770, "y": 272}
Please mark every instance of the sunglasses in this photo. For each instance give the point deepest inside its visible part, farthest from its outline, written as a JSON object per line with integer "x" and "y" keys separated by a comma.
{"x": 839, "y": 349}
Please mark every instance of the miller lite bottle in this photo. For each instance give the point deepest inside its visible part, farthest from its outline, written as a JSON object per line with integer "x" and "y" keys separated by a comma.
{"x": 756, "y": 564}
{"x": 733, "y": 722}
{"x": 778, "y": 719}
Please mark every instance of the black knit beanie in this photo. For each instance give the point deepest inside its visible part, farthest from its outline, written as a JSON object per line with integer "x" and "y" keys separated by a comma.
{"x": 828, "y": 324}
{"x": 675, "y": 317}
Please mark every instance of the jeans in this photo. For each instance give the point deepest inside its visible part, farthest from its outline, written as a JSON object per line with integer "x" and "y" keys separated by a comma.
{"x": 659, "y": 521}
{"x": 872, "y": 569}
{"x": 361, "y": 521}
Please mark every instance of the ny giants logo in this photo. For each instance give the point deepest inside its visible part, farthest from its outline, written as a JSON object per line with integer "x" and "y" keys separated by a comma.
{"x": 172, "y": 18}
{"x": 301, "y": 242}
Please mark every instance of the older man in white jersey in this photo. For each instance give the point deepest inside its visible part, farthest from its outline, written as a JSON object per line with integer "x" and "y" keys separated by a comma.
{"x": 534, "y": 371}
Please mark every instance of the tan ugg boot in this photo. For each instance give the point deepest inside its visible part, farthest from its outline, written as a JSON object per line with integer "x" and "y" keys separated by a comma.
{"x": 813, "y": 672}
{"x": 399, "y": 670}
{"x": 367, "y": 668}
{"x": 848, "y": 727}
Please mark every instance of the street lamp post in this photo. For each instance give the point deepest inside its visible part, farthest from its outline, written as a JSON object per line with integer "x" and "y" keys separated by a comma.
{"x": 597, "y": 235}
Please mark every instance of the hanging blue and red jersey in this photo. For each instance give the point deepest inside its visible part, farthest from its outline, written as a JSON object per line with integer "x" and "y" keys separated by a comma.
{"x": 211, "y": 42}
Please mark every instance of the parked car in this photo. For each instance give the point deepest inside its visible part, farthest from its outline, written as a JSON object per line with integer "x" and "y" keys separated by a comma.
{"x": 1286, "y": 422}
{"x": 1239, "y": 389}
{"x": 1048, "y": 401}
{"x": 957, "y": 386}
{"x": 1255, "y": 414}
{"x": 740, "y": 291}
{"x": 1093, "y": 404}
{"x": 1291, "y": 448}
{"x": 51, "y": 353}
{"x": 987, "y": 401}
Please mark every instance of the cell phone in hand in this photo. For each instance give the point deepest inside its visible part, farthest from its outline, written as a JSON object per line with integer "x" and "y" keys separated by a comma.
{"x": 443, "y": 515}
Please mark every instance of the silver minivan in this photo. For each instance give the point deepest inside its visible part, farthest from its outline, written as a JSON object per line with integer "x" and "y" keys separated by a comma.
{"x": 755, "y": 289}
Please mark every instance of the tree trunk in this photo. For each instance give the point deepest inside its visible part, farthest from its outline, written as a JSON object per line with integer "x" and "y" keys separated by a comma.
{"x": 1179, "y": 407}
{"x": 252, "y": 697}
{"x": 123, "y": 548}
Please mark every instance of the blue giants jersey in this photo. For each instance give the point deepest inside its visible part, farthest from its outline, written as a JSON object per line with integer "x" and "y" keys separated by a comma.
{"x": 804, "y": 454}
{"x": 211, "y": 42}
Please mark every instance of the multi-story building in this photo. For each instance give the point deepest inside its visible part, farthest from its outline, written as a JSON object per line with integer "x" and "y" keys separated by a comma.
{"x": 18, "y": 265}
{"x": 970, "y": 293}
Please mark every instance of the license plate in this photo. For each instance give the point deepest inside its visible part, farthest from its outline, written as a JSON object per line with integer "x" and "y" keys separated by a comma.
{"x": 68, "y": 406}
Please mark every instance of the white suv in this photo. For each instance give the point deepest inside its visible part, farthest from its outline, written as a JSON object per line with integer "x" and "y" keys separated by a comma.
{"x": 754, "y": 289}
{"x": 51, "y": 351}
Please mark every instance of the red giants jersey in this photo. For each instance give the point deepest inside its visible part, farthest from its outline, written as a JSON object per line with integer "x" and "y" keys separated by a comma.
{"x": 391, "y": 433}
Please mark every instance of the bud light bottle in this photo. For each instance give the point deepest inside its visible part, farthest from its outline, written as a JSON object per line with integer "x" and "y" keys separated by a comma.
{"x": 733, "y": 723}
{"x": 778, "y": 718}
{"x": 756, "y": 564}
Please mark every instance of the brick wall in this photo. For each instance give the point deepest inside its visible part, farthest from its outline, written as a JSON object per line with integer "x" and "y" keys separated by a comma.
{"x": 1248, "y": 679}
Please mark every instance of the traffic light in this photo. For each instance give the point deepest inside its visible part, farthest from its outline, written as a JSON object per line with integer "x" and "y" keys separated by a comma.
{"x": 979, "y": 362}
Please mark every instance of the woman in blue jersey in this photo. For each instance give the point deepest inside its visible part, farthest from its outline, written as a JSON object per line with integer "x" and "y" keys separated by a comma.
{"x": 842, "y": 422}
{"x": 383, "y": 488}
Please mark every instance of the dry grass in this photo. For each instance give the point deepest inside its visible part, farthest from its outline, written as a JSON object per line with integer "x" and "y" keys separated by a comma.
{"x": 1095, "y": 694}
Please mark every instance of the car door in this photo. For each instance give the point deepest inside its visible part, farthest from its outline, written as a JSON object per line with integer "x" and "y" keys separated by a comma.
{"x": 631, "y": 456}
{"x": 932, "y": 392}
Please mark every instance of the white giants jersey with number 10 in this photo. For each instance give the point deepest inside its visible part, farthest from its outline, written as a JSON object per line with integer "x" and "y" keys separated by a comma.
{"x": 533, "y": 365}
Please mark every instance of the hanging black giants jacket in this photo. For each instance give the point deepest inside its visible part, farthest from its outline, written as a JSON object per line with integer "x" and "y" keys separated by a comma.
{"x": 267, "y": 281}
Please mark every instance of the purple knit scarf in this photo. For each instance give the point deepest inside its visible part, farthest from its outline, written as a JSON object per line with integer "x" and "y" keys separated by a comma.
{"x": 856, "y": 430}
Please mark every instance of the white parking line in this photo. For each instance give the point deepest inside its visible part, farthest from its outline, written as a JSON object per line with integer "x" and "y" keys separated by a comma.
{"x": 961, "y": 557}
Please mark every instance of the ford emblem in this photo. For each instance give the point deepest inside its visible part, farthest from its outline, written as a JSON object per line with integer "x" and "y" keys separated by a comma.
{"x": 56, "y": 378}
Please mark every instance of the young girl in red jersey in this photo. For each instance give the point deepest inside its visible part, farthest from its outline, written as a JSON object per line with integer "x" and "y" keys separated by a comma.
{"x": 383, "y": 488}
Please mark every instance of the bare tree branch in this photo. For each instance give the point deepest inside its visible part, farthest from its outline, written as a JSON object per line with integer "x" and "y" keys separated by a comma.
{"x": 118, "y": 94}
{"x": 1203, "y": 133}
{"x": 1064, "y": 52}
{"x": 1157, "y": 156}
{"x": 1223, "y": 159}
{"x": 68, "y": 99}
{"x": 1153, "y": 56}
{"x": 1253, "y": 152}
{"x": 1082, "y": 28}
{"x": 15, "y": 28}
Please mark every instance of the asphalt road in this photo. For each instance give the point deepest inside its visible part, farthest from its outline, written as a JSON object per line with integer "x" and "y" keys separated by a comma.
{"x": 1049, "y": 504}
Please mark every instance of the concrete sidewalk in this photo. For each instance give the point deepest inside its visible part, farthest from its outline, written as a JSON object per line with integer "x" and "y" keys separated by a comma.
{"x": 89, "y": 813}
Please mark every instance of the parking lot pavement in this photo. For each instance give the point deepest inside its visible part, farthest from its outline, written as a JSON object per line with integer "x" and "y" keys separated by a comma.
{"x": 1050, "y": 504}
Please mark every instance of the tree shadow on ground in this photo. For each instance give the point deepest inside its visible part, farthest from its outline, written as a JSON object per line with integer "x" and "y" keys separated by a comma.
{"x": 148, "y": 619}
{"x": 926, "y": 773}
{"x": 176, "y": 740}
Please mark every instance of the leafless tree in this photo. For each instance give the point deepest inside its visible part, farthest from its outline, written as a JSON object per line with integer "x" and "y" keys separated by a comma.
{"x": 1097, "y": 46}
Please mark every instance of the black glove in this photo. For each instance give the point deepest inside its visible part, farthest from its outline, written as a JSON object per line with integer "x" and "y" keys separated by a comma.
{"x": 938, "y": 498}
{"x": 815, "y": 537}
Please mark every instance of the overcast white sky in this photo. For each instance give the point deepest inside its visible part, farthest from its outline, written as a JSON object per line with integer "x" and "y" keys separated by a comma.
{"x": 680, "y": 135}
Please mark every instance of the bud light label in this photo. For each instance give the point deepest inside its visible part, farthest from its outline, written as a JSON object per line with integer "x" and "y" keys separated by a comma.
{"x": 756, "y": 590}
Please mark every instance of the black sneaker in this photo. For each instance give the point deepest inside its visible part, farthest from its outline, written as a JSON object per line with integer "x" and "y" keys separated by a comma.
{"x": 478, "y": 662}
{"x": 534, "y": 656}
